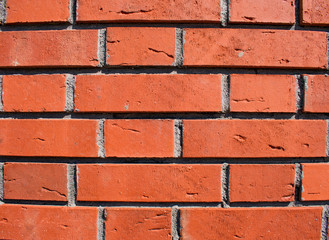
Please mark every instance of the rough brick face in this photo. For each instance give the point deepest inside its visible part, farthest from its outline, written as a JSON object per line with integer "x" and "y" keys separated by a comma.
{"x": 254, "y": 138}
{"x": 262, "y": 11}
{"x": 61, "y": 138}
{"x": 140, "y": 46}
{"x": 139, "y": 138}
{"x": 150, "y": 11}
{"x": 148, "y": 93}
{"x": 263, "y": 93}
{"x": 315, "y": 186}
{"x": 64, "y": 48}
{"x": 262, "y": 183}
{"x": 256, "y": 48}
{"x": 149, "y": 183}
{"x": 254, "y": 223}
{"x": 26, "y": 222}
{"x": 35, "y": 181}
{"x": 33, "y": 11}
{"x": 315, "y": 12}
{"x": 142, "y": 223}
{"x": 316, "y": 94}
{"x": 34, "y": 93}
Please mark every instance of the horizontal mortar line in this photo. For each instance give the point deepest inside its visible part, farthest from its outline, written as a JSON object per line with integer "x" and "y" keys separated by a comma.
{"x": 161, "y": 161}
{"x": 161, "y": 24}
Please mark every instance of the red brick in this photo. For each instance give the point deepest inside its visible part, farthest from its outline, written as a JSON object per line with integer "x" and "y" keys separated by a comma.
{"x": 317, "y": 94}
{"x": 34, "y": 93}
{"x": 254, "y": 138}
{"x": 138, "y": 223}
{"x": 45, "y": 137}
{"x": 26, "y": 222}
{"x": 315, "y": 185}
{"x": 262, "y": 11}
{"x": 139, "y": 138}
{"x": 148, "y": 93}
{"x": 62, "y": 48}
{"x": 37, "y": 11}
{"x": 315, "y": 12}
{"x": 154, "y": 11}
{"x": 149, "y": 183}
{"x": 257, "y": 48}
{"x": 255, "y": 223}
{"x": 129, "y": 46}
{"x": 262, "y": 183}
{"x": 263, "y": 93}
{"x": 35, "y": 181}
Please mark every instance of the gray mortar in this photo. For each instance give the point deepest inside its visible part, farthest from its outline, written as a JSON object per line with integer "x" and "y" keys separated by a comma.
{"x": 1, "y": 93}
{"x": 3, "y": 11}
{"x": 225, "y": 185}
{"x": 305, "y": 78}
{"x": 175, "y": 220}
{"x": 101, "y": 223}
{"x": 178, "y": 138}
{"x": 70, "y": 88}
{"x": 225, "y": 93}
{"x": 101, "y": 53}
{"x": 298, "y": 181}
{"x": 179, "y": 48}
{"x": 327, "y": 50}
{"x": 327, "y": 138}
{"x": 101, "y": 139}
{"x": 72, "y": 9}
{"x": 299, "y": 93}
{"x": 224, "y": 12}
{"x": 71, "y": 185}
{"x": 1, "y": 183}
{"x": 324, "y": 228}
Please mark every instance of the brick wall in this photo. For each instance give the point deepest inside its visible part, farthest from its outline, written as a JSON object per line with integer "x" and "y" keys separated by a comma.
{"x": 183, "y": 120}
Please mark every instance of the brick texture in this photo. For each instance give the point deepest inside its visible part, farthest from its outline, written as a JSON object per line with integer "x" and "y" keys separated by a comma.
{"x": 316, "y": 94}
{"x": 315, "y": 12}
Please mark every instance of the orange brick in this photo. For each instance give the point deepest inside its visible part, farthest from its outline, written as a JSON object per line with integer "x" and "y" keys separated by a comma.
{"x": 27, "y": 222}
{"x": 254, "y": 138}
{"x": 154, "y": 11}
{"x": 140, "y": 46}
{"x": 139, "y": 138}
{"x": 34, "y": 93}
{"x": 149, "y": 183}
{"x": 262, "y": 11}
{"x": 42, "y": 137}
{"x": 35, "y": 181}
{"x": 263, "y": 93}
{"x": 253, "y": 223}
{"x": 315, "y": 12}
{"x": 62, "y": 48}
{"x": 148, "y": 93}
{"x": 317, "y": 94}
{"x": 262, "y": 183}
{"x": 257, "y": 48}
{"x": 138, "y": 223}
{"x": 37, "y": 11}
{"x": 315, "y": 186}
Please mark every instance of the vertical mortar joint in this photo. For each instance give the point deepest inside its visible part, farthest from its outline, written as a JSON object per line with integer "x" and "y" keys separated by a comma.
{"x": 3, "y": 11}
{"x": 101, "y": 139}
{"x": 224, "y": 12}
{"x": 1, "y": 93}
{"x": 1, "y": 183}
{"x": 327, "y": 138}
{"x": 226, "y": 92}
{"x": 178, "y": 138}
{"x": 72, "y": 184}
{"x": 324, "y": 227}
{"x": 225, "y": 185}
{"x": 298, "y": 182}
{"x": 179, "y": 48}
{"x": 102, "y": 215}
{"x": 175, "y": 222}
{"x": 70, "y": 91}
{"x": 73, "y": 11}
{"x": 300, "y": 93}
{"x": 101, "y": 53}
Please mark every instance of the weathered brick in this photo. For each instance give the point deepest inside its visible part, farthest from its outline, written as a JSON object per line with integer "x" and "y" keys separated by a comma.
{"x": 256, "y": 48}
{"x": 263, "y": 93}
{"x": 316, "y": 94}
{"x": 37, "y": 11}
{"x": 314, "y": 12}
{"x": 253, "y": 223}
{"x": 315, "y": 186}
{"x": 262, "y": 183}
{"x": 262, "y": 11}
{"x": 138, "y": 223}
{"x": 45, "y": 137}
{"x": 130, "y": 46}
{"x": 139, "y": 138}
{"x": 34, "y": 93}
{"x": 154, "y": 11}
{"x": 148, "y": 93}
{"x": 64, "y": 48}
{"x": 254, "y": 138}
{"x": 35, "y": 181}
{"x": 149, "y": 183}
{"x": 27, "y": 222}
